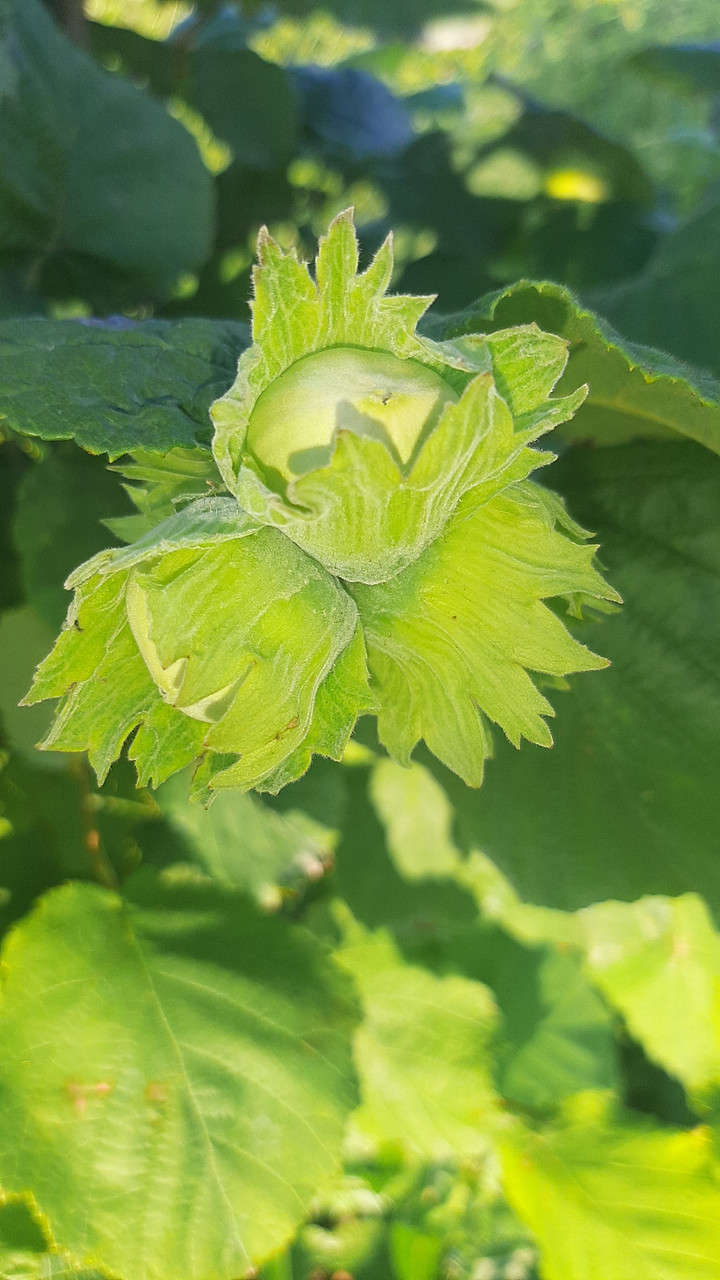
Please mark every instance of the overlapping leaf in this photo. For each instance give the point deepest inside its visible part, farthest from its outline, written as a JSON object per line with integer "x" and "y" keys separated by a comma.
{"x": 194, "y": 1082}
{"x": 658, "y": 961}
{"x": 114, "y": 389}
{"x": 246, "y": 101}
{"x": 423, "y": 1051}
{"x": 612, "y": 1202}
{"x": 633, "y": 391}
{"x": 555, "y": 1037}
{"x": 626, "y": 803}
{"x": 72, "y": 223}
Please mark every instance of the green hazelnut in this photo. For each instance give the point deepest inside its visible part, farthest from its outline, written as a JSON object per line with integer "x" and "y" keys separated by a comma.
{"x": 371, "y": 393}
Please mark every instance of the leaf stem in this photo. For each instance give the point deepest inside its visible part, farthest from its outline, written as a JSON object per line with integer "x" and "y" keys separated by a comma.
{"x": 100, "y": 865}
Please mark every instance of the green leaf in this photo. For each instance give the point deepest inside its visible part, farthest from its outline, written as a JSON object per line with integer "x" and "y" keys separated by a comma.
{"x": 24, "y": 640}
{"x": 23, "y": 1247}
{"x": 344, "y": 694}
{"x": 422, "y": 1051}
{"x": 417, "y": 817}
{"x": 557, "y": 1031}
{"x": 247, "y": 102}
{"x": 60, "y": 504}
{"x": 556, "y": 1036}
{"x": 97, "y": 666}
{"x": 111, "y": 233}
{"x": 617, "y": 1202}
{"x": 55, "y": 824}
{"x": 416, "y": 1255}
{"x": 113, "y": 390}
{"x": 160, "y": 484}
{"x": 658, "y": 962}
{"x": 673, "y": 303}
{"x": 160, "y": 638}
{"x": 243, "y": 844}
{"x": 24, "y": 1250}
{"x": 631, "y": 779}
{"x": 450, "y": 639}
{"x": 633, "y": 391}
{"x": 693, "y": 66}
{"x": 187, "y": 1105}
{"x": 366, "y": 873}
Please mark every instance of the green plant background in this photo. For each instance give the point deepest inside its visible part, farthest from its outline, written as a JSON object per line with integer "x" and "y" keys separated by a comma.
{"x": 383, "y": 1025}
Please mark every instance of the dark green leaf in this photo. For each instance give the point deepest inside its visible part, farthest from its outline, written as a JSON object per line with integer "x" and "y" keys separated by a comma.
{"x": 112, "y": 232}
{"x": 60, "y": 503}
{"x": 114, "y": 389}
{"x": 152, "y": 62}
{"x": 55, "y": 824}
{"x": 369, "y": 881}
{"x": 24, "y": 642}
{"x": 675, "y": 302}
{"x": 633, "y": 391}
{"x": 627, "y": 801}
{"x": 689, "y": 66}
{"x": 12, "y": 466}
{"x": 559, "y": 140}
{"x": 247, "y": 102}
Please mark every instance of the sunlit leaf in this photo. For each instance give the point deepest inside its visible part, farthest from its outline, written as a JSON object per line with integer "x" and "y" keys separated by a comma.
{"x": 614, "y": 1202}
{"x": 188, "y": 1103}
{"x": 422, "y": 1051}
